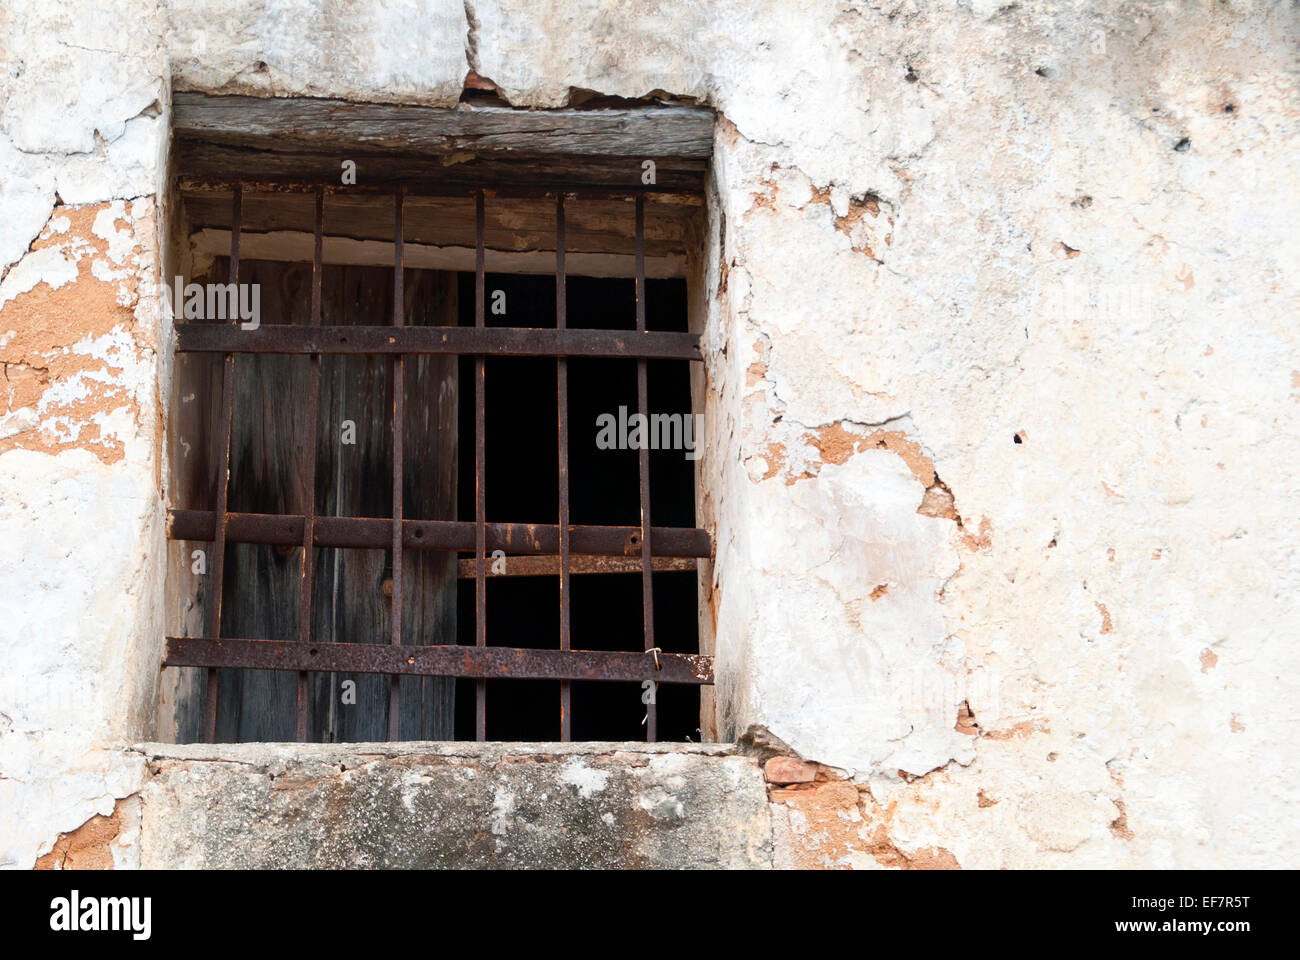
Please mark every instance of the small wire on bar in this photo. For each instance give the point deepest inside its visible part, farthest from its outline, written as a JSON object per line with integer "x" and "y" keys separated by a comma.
{"x": 309, "y": 476}
{"x": 562, "y": 410}
{"x": 480, "y": 473}
{"x": 398, "y": 373}
{"x": 223, "y": 479}
{"x": 647, "y": 582}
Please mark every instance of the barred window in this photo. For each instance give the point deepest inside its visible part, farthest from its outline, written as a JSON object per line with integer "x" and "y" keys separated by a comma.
{"x": 423, "y": 383}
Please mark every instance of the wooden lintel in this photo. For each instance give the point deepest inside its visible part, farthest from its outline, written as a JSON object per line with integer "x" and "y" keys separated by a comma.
{"x": 282, "y": 123}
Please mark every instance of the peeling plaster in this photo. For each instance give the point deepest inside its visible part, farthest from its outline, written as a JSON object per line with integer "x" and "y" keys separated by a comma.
{"x": 78, "y": 370}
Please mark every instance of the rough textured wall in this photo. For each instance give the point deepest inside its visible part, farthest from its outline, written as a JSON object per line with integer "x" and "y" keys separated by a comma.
{"x": 82, "y": 134}
{"x": 1003, "y": 374}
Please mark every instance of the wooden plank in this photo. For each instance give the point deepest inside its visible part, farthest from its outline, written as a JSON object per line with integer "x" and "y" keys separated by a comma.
{"x": 303, "y": 123}
{"x": 431, "y": 483}
{"x": 262, "y": 583}
{"x": 432, "y": 175}
{"x": 357, "y": 477}
{"x": 354, "y": 585}
{"x": 525, "y": 224}
{"x": 194, "y": 453}
{"x": 294, "y": 245}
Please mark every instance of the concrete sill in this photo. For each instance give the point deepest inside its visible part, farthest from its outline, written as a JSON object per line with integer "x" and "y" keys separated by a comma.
{"x": 263, "y": 752}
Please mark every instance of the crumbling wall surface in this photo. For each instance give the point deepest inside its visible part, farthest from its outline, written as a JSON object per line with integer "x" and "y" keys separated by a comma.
{"x": 1003, "y": 385}
{"x": 82, "y": 137}
{"x": 465, "y": 806}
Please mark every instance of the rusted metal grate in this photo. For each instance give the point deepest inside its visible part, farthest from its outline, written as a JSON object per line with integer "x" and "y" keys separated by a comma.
{"x": 551, "y": 548}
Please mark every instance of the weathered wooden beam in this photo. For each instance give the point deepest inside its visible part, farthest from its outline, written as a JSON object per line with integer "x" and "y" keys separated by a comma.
{"x": 331, "y": 125}
{"x": 435, "y": 174}
{"x": 596, "y": 226}
{"x": 519, "y": 233}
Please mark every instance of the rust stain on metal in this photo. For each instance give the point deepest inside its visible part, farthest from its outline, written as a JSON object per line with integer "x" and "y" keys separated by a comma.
{"x": 375, "y": 532}
{"x": 474, "y": 341}
{"x": 546, "y": 565}
{"x": 438, "y": 661}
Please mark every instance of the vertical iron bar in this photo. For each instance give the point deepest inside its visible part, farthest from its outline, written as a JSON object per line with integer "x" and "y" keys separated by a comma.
{"x": 223, "y": 475}
{"x": 309, "y": 482}
{"x": 642, "y": 404}
{"x": 399, "y": 420}
{"x": 480, "y": 465}
{"x": 562, "y": 405}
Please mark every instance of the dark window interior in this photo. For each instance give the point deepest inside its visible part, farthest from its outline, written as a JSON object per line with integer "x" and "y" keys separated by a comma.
{"x": 521, "y": 427}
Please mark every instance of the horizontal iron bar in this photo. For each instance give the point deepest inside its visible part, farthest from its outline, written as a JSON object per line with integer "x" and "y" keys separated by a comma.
{"x": 488, "y": 663}
{"x": 477, "y": 341}
{"x": 548, "y": 565}
{"x": 377, "y": 533}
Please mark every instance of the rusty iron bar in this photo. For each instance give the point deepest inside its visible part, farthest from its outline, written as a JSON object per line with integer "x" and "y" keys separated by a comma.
{"x": 223, "y": 479}
{"x": 480, "y": 470}
{"x": 376, "y": 533}
{"x": 447, "y": 660}
{"x": 309, "y": 477}
{"x": 642, "y": 405}
{"x": 548, "y": 565}
{"x": 476, "y": 341}
{"x": 562, "y": 458}
{"x": 398, "y": 374}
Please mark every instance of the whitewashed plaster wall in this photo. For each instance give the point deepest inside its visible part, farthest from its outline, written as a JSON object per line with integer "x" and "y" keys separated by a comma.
{"x": 83, "y": 133}
{"x": 940, "y": 229}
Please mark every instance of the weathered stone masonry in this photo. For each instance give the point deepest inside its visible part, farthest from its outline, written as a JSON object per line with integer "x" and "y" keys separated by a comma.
{"x": 1001, "y": 394}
